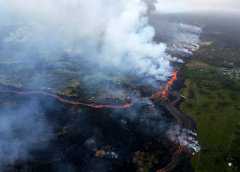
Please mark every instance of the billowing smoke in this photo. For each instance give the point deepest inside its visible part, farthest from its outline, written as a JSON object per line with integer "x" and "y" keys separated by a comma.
{"x": 181, "y": 38}
{"x": 22, "y": 130}
{"x": 184, "y": 137}
{"x": 106, "y": 32}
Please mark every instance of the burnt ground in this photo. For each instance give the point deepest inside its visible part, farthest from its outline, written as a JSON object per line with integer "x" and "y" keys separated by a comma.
{"x": 78, "y": 133}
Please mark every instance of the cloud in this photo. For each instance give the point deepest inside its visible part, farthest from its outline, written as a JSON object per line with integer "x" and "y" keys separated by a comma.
{"x": 173, "y": 6}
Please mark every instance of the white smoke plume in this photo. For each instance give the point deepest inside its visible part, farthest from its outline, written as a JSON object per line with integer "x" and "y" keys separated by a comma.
{"x": 22, "y": 130}
{"x": 184, "y": 137}
{"x": 185, "y": 38}
{"x": 110, "y": 33}
{"x": 181, "y": 38}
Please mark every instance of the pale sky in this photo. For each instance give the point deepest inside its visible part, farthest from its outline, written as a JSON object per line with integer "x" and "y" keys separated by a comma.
{"x": 171, "y": 6}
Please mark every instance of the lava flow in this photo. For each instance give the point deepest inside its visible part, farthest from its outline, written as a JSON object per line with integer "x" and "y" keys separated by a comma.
{"x": 164, "y": 93}
{"x": 70, "y": 102}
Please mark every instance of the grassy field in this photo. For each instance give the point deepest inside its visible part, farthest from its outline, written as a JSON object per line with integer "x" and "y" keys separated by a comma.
{"x": 213, "y": 100}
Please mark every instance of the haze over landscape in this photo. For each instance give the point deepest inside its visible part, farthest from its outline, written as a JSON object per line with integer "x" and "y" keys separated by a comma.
{"x": 112, "y": 86}
{"x": 174, "y": 6}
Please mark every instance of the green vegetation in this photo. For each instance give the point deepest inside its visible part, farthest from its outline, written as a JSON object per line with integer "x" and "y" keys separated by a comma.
{"x": 213, "y": 100}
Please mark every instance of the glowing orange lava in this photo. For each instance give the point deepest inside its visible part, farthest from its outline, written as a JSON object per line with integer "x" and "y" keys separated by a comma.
{"x": 163, "y": 93}
{"x": 169, "y": 84}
